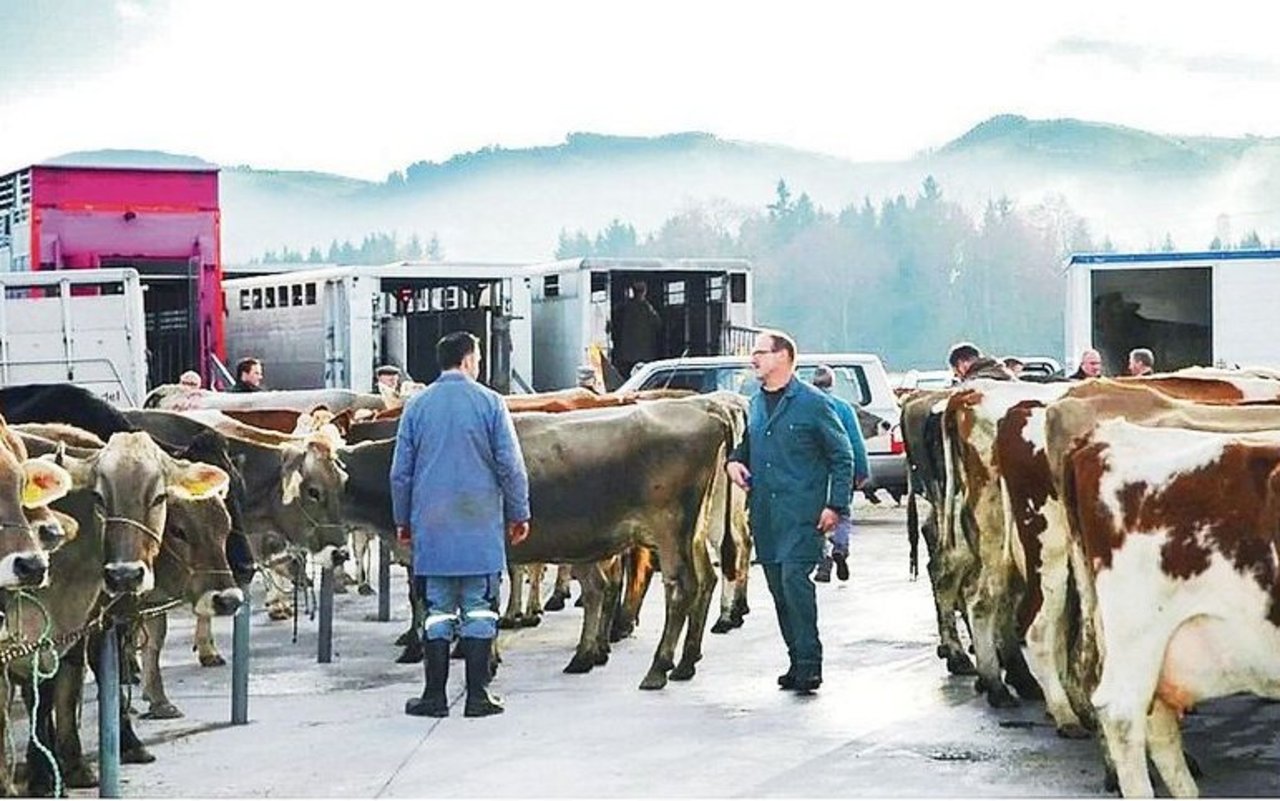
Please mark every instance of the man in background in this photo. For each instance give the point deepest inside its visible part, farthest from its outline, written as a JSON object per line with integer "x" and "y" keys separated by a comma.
{"x": 1141, "y": 362}
{"x": 635, "y": 336}
{"x": 1090, "y": 366}
{"x": 837, "y": 551}
{"x": 248, "y": 376}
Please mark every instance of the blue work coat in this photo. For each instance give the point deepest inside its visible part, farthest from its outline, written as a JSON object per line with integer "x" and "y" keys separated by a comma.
{"x": 800, "y": 462}
{"x": 457, "y": 478}
{"x": 849, "y": 419}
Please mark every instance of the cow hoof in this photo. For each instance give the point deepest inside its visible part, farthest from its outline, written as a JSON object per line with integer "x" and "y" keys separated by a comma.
{"x": 602, "y": 657}
{"x": 530, "y": 621}
{"x": 165, "y": 711}
{"x": 507, "y": 623}
{"x": 407, "y": 637}
{"x": 79, "y": 776}
{"x": 683, "y": 671}
{"x": 740, "y": 610}
{"x": 1073, "y": 731}
{"x": 1001, "y": 698}
{"x": 555, "y": 603}
{"x": 212, "y": 660}
{"x": 340, "y": 588}
{"x": 620, "y": 632}
{"x": 138, "y": 755}
{"x": 721, "y": 626}
{"x": 960, "y": 665}
{"x": 580, "y": 664}
{"x": 942, "y": 651}
{"x": 410, "y": 654}
{"x": 654, "y": 680}
{"x": 365, "y": 589}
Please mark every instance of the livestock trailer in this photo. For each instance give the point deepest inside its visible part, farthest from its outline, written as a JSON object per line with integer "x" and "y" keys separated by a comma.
{"x": 333, "y": 326}
{"x": 1203, "y": 308}
{"x": 85, "y": 327}
{"x": 163, "y": 223}
{"x": 705, "y": 307}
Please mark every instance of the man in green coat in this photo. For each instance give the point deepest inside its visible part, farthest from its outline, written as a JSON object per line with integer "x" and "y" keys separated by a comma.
{"x": 797, "y": 466}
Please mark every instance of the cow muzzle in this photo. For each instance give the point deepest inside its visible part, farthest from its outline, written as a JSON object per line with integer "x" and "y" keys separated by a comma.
{"x": 334, "y": 557}
{"x": 25, "y": 569}
{"x": 124, "y": 578}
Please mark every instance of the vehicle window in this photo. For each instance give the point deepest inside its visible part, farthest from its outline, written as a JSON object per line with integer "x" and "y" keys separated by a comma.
{"x": 734, "y": 379}
{"x": 687, "y": 378}
{"x": 851, "y": 382}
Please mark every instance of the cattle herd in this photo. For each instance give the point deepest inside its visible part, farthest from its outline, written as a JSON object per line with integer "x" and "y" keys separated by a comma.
{"x": 1111, "y": 546}
{"x": 113, "y": 517}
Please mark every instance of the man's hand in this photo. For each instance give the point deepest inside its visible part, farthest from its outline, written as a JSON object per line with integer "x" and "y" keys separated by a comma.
{"x": 827, "y": 521}
{"x": 518, "y": 532}
{"x": 738, "y": 474}
{"x": 402, "y": 535}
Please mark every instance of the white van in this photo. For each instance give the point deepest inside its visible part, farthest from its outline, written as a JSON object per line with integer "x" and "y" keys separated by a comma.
{"x": 860, "y": 379}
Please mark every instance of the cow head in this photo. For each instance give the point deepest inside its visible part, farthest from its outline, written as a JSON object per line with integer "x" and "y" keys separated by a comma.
{"x": 193, "y": 556}
{"x": 28, "y": 529}
{"x": 313, "y": 481}
{"x": 132, "y": 481}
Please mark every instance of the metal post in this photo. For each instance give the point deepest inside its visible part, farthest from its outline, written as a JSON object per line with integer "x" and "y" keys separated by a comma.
{"x": 109, "y": 715}
{"x": 325, "y": 649}
{"x": 384, "y": 580}
{"x": 240, "y": 665}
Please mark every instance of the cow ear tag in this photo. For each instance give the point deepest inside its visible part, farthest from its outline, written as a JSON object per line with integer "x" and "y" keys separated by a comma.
{"x": 43, "y": 483}
{"x": 198, "y": 481}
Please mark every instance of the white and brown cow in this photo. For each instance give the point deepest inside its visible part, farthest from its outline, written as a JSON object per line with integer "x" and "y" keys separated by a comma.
{"x": 1181, "y": 534}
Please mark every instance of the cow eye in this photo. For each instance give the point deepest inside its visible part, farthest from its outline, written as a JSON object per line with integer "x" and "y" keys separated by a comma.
{"x": 313, "y": 494}
{"x": 158, "y": 500}
{"x": 99, "y": 502}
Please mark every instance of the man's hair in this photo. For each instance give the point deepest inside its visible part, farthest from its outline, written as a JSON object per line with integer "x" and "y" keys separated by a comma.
{"x": 963, "y": 352}
{"x": 824, "y": 377}
{"x": 245, "y": 365}
{"x": 387, "y": 369}
{"x": 1012, "y": 362}
{"x": 189, "y": 377}
{"x": 782, "y": 341}
{"x": 453, "y": 348}
{"x": 1143, "y": 356}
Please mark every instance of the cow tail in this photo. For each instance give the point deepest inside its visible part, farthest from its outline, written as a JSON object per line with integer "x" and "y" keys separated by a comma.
{"x": 728, "y": 548}
{"x": 1012, "y": 553}
{"x": 945, "y": 537}
{"x": 913, "y": 527}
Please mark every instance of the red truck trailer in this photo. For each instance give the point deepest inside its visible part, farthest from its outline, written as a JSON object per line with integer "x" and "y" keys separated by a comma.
{"x": 163, "y": 223}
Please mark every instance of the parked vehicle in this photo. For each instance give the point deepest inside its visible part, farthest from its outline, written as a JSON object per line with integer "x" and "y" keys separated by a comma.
{"x": 860, "y": 379}
{"x": 1206, "y": 308}
{"x": 83, "y": 327}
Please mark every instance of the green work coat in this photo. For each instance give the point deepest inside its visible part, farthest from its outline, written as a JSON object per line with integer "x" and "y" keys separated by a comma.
{"x": 800, "y": 462}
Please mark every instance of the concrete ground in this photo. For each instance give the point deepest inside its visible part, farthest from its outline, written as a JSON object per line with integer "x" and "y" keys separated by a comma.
{"x": 888, "y": 721}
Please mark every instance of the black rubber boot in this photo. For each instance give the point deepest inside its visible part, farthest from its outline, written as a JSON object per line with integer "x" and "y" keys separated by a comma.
{"x": 479, "y": 702}
{"x": 433, "y": 703}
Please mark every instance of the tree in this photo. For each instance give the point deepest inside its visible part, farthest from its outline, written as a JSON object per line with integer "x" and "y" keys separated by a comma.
{"x": 617, "y": 240}
{"x": 1251, "y": 241}
{"x": 314, "y": 256}
{"x": 435, "y": 252}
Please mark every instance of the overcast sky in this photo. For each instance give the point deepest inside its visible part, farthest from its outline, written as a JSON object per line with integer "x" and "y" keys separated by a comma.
{"x": 365, "y": 88}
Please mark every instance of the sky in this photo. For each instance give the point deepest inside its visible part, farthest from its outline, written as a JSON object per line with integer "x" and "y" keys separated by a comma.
{"x": 362, "y": 89}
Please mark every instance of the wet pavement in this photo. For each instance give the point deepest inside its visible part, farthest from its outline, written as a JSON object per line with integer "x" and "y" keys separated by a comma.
{"x": 888, "y": 721}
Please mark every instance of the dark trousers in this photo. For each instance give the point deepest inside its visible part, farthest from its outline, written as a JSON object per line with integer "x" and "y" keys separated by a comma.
{"x": 796, "y": 603}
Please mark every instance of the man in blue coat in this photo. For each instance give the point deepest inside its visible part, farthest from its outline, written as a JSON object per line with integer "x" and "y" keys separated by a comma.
{"x": 824, "y": 378}
{"x": 458, "y": 482}
{"x": 797, "y": 466}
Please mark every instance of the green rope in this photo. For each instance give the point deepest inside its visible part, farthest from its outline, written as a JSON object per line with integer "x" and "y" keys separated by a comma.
{"x": 43, "y": 643}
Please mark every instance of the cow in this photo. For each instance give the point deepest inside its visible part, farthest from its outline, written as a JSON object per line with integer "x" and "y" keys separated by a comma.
{"x": 990, "y": 592}
{"x": 171, "y": 396}
{"x": 290, "y": 421}
{"x": 1179, "y": 534}
{"x": 926, "y": 475}
{"x": 602, "y": 482}
{"x": 120, "y": 504}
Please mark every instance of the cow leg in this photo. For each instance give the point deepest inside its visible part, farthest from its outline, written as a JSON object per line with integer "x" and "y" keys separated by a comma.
{"x": 945, "y": 603}
{"x": 983, "y": 619}
{"x": 639, "y": 569}
{"x": 533, "y": 609}
{"x": 279, "y": 587}
{"x": 1164, "y": 738}
{"x": 1124, "y": 695}
{"x": 700, "y": 605}
{"x": 363, "y": 560}
{"x": 161, "y": 708}
{"x": 40, "y": 782}
{"x": 68, "y": 687}
{"x": 561, "y": 592}
{"x": 1046, "y": 648}
{"x": 514, "y": 616}
{"x": 204, "y": 646}
{"x": 413, "y": 651}
{"x": 591, "y": 577}
{"x": 678, "y": 587}
{"x": 609, "y": 605}
{"x": 8, "y": 787}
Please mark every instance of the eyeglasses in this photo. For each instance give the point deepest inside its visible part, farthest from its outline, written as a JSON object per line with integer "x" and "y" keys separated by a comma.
{"x": 764, "y": 352}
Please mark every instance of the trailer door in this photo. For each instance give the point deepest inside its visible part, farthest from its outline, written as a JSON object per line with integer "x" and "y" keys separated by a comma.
{"x": 1168, "y": 310}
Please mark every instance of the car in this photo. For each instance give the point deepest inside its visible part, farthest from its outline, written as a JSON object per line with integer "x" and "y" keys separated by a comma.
{"x": 860, "y": 379}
